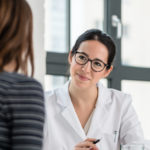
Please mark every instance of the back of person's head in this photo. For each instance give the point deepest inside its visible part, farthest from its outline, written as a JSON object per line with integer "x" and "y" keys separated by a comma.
{"x": 16, "y": 35}
{"x": 98, "y": 35}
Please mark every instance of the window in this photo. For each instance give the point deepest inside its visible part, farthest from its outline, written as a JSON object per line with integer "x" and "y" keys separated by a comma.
{"x": 135, "y": 47}
{"x": 129, "y": 29}
{"x": 65, "y": 20}
{"x": 85, "y": 14}
{"x": 132, "y": 66}
{"x": 55, "y": 25}
{"x": 140, "y": 96}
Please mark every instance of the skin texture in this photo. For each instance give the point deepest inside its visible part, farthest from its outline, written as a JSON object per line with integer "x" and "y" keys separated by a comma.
{"x": 83, "y": 76}
{"x": 10, "y": 67}
{"x": 82, "y": 89}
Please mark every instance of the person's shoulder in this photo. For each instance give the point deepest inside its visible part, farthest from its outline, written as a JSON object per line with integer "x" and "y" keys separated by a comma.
{"x": 23, "y": 79}
{"x": 50, "y": 98}
{"x": 54, "y": 94}
{"x": 49, "y": 94}
{"x": 15, "y": 77}
{"x": 116, "y": 95}
{"x": 18, "y": 85}
{"x": 18, "y": 81}
{"x": 120, "y": 96}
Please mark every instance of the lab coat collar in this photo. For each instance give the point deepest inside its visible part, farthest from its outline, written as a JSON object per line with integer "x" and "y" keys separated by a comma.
{"x": 64, "y": 97}
{"x": 69, "y": 114}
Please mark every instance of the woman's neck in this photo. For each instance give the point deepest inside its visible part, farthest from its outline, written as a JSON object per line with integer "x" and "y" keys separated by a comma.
{"x": 83, "y": 97}
{"x": 10, "y": 67}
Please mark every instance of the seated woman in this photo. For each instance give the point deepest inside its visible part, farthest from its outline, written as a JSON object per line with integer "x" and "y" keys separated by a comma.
{"x": 83, "y": 110}
{"x": 21, "y": 97}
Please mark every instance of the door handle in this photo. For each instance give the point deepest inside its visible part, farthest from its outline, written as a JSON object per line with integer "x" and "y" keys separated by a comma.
{"x": 116, "y": 22}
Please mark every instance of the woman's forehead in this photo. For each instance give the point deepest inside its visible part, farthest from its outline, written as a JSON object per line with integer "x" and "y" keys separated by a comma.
{"x": 94, "y": 49}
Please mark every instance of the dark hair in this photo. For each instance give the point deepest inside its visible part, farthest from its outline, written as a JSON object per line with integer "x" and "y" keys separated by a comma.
{"x": 16, "y": 35}
{"x": 98, "y": 35}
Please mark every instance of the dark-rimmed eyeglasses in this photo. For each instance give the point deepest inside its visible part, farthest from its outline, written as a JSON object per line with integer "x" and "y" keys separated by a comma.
{"x": 97, "y": 65}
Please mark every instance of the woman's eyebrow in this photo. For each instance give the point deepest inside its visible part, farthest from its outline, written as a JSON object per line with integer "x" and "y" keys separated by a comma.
{"x": 84, "y": 53}
{"x": 92, "y": 59}
{"x": 98, "y": 59}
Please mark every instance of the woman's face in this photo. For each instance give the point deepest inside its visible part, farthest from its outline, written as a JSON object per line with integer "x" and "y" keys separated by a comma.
{"x": 82, "y": 75}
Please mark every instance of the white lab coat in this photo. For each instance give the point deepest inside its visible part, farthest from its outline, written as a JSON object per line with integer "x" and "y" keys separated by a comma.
{"x": 114, "y": 121}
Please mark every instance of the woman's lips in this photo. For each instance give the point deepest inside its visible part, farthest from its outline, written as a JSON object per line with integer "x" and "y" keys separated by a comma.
{"x": 83, "y": 78}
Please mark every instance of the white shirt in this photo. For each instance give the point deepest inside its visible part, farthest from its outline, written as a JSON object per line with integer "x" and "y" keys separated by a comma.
{"x": 88, "y": 123}
{"x": 114, "y": 121}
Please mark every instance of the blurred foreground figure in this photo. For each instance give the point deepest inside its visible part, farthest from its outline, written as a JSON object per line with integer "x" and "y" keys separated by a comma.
{"x": 21, "y": 97}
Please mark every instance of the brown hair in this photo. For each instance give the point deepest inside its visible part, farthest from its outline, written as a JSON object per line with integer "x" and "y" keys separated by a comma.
{"x": 97, "y": 35}
{"x": 16, "y": 35}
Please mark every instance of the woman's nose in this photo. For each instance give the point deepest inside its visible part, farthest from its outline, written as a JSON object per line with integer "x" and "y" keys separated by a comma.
{"x": 87, "y": 67}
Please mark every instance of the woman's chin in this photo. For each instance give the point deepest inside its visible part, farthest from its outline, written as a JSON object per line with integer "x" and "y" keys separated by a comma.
{"x": 82, "y": 84}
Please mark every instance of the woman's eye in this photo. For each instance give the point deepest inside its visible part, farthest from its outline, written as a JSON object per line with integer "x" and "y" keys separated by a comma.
{"x": 82, "y": 57}
{"x": 97, "y": 64}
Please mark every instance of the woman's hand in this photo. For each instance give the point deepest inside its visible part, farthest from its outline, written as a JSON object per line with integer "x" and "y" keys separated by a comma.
{"x": 86, "y": 145}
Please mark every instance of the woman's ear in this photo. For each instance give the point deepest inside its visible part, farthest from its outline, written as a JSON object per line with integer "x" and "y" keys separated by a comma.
{"x": 107, "y": 72}
{"x": 70, "y": 57}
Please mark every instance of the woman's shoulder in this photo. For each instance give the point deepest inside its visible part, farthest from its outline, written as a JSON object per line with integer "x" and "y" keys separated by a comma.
{"x": 19, "y": 81}
{"x": 14, "y": 87}
{"x": 60, "y": 94}
{"x": 116, "y": 95}
{"x": 53, "y": 93}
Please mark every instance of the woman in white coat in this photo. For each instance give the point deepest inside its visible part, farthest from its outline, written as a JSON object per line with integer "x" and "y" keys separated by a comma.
{"x": 83, "y": 110}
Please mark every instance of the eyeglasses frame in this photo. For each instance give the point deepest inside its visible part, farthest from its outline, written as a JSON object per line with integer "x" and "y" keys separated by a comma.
{"x": 91, "y": 60}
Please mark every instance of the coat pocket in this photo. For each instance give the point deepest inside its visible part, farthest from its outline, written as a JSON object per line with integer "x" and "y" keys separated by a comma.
{"x": 109, "y": 140}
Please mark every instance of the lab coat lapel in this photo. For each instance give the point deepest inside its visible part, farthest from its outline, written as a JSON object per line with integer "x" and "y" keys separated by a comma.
{"x": 73, "y": 121}
{"x": 68, "y": 112}
{"x": 100, "y": 113}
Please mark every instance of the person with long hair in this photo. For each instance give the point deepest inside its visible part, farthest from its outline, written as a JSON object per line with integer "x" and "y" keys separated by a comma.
{"x": 21, "y": 97}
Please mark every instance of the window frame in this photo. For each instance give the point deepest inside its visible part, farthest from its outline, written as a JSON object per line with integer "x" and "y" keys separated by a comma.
{"x": 57, "y": 63}
{"x": 121, "y": 72}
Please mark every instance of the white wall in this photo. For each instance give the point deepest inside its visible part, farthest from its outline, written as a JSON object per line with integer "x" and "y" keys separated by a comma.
{"x": 37, "y": 7}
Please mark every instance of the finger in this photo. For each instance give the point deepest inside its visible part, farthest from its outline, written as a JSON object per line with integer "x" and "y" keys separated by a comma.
{"x": 90, "y": 139}
{"x": 85, "y": 148}
{"x": 94, "y": 149}
{"x": 86, "y": 144}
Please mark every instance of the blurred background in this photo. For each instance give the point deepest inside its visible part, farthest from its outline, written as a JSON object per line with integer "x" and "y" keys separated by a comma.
{"x": 58, "y": 23}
